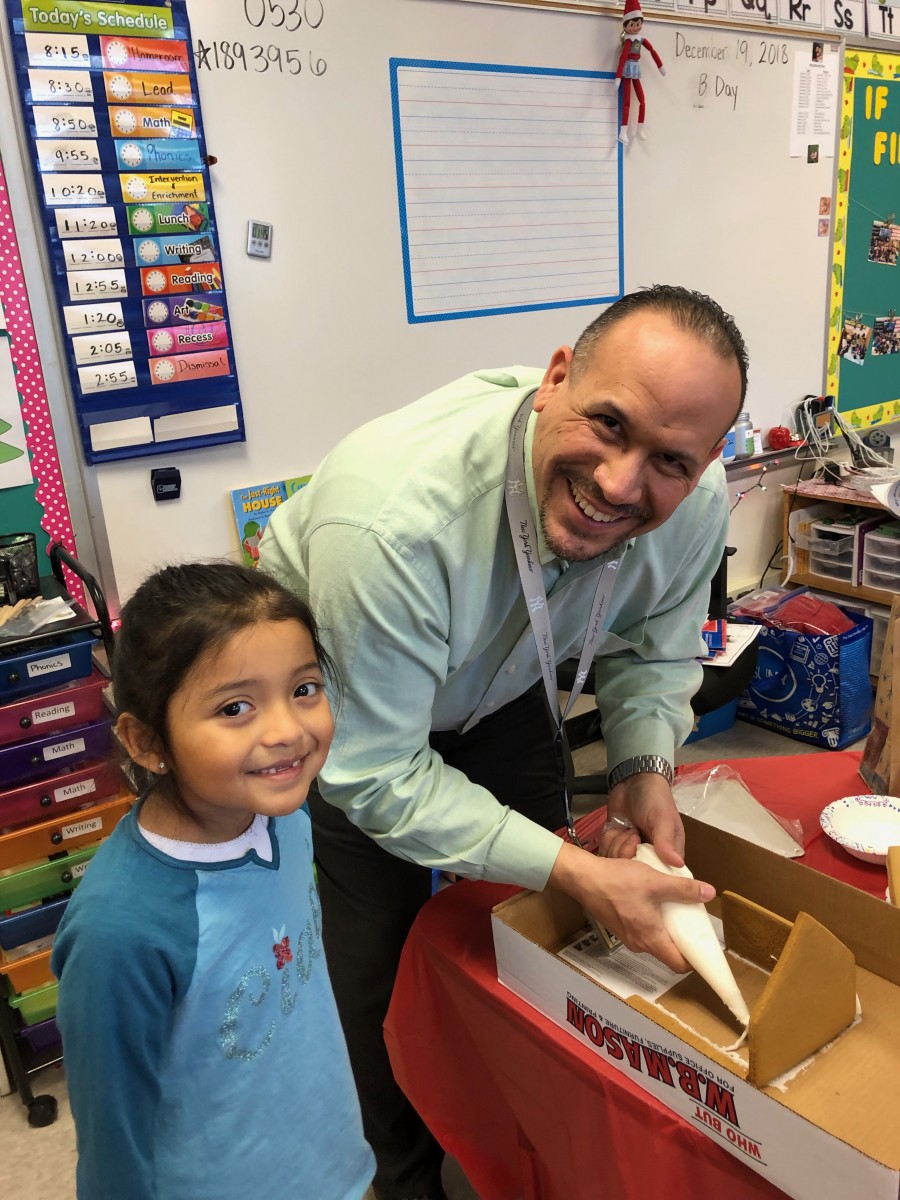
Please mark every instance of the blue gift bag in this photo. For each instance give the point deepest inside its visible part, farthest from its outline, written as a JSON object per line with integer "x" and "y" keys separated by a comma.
{"x": 813, "y": 687}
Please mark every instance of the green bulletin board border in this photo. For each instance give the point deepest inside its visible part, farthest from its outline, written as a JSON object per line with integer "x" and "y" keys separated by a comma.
{"x": 868, "y": 394}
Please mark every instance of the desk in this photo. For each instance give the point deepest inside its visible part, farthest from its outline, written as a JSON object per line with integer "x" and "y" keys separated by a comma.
{"x": 526, "y": 1109}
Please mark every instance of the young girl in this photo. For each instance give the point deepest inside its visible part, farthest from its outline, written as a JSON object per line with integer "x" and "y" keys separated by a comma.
{"x": 204, "y": 1056}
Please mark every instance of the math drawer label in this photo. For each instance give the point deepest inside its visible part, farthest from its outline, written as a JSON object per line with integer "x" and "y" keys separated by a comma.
{"x": 73, "y": 790}
{"x": 64, "y": 749}
{"x": 152, "y": 187}
{"x": 86, "y": 317}
{"x": 101, "y": 347}
{"x": 50, "y": 121}
{"x": 85, "y": 222}
{"x": 73, "y": 189}
{"x": 96, "y": 285}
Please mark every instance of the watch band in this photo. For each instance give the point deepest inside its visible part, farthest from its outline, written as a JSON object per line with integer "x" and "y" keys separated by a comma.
{"x": 639, "y": 765}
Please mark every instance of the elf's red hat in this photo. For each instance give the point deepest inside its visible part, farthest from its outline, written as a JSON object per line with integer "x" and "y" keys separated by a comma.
{"x": 632, "y": 11}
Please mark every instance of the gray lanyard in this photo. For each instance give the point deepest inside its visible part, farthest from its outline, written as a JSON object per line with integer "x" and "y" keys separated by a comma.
{"x": 525, "y": 542}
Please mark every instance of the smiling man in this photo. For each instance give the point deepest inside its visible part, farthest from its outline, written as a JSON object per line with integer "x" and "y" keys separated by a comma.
{"x": 580, "y": 511}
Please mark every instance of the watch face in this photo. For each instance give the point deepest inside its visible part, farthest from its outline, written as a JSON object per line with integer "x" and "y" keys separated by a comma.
{"x": 155, "y": 281}
{"x": 158, "y": 312}
{"x": 162, "y": 341}
{"x": 132, "y": 155}
{"x": 120, "y": 87}
{"x": 148, "y": 252}
{"x": 135, "y": 187}
{"x": 142, "y": 220}
{"x": 163, "y": 369}
{"x": 125, "y": 121}
{"x": 117, "y": 54}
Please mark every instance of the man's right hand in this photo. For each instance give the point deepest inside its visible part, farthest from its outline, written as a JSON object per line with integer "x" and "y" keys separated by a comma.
{"x": 625, "y": 896}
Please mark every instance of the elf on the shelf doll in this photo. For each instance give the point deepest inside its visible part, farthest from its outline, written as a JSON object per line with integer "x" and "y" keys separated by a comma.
{"x": 629, "y": 68}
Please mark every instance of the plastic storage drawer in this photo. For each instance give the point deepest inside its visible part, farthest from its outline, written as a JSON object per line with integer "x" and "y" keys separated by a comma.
{"x": 53, "y": 662}
{"x": 45, "y": 755}
{"x": 38, "y": 1004}
{"x": 42, "y": 880}
{"x": 38, "y": 922}
{"x": 831, "y": 567}
{"x": 885, "y": 581}
{"x": 60, "y": 794}
{"x": 43, "y": 1035}
{"x": 27, "y": 973}
{"x": 67, "y": 832}
{"x": 50, "y": 712}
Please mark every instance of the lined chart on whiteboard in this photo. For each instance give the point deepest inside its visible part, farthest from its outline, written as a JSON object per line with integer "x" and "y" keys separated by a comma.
{"x": 510, "y": 186}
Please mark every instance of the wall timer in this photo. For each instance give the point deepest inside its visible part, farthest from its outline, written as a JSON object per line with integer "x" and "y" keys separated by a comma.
{"x": 259, "y": 239}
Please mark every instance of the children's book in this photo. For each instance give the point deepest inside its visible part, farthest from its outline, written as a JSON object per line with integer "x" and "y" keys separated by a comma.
{"x": 252, "y": 508}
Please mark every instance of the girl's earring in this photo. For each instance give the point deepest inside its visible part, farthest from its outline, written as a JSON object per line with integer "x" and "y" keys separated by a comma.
{"x": 162, "y": 768}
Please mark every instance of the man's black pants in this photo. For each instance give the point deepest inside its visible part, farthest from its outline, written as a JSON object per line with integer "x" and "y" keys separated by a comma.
{"x": 369, "y": 901}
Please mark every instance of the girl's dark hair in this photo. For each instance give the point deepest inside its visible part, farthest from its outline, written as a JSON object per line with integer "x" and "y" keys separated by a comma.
{"x": 181, "y": 613}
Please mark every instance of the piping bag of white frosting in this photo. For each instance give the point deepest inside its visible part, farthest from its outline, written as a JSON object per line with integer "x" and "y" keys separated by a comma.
{"x": 689, "y": 927}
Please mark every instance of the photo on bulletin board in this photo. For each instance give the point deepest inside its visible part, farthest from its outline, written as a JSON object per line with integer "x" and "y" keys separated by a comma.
{"x": 863, "y": 369}
{"x": 110, "y": 104}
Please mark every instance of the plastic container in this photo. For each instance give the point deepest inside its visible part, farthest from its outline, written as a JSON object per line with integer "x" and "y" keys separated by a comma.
{"x": 885, "y": 581}
{"x": 61, "y": 708}
{"x": 61, "y": 793}
{"x": 27, "y": 973}
{"x": 56, "y": 661}
{"x": 832, "y": 568}
{"x": 43, "y": 1035}
{"x": 66, "y": 832}
{"x": 743, "y": 436}
{"x": 43, "y": 756}
{"x": 42, "y": 880}
{"x": 38, "y": 922}
{"x": 37, "y": 1004}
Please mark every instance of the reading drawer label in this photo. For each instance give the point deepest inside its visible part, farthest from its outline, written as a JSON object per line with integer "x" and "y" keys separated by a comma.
{"x": 82, "y": 827}
{"x": 40, "y": 716}
{"x": 46, "y": 666}
{"x": 72, "y": 790}
{"x": 80, "y": 869}
{"x": 64, "y": 749}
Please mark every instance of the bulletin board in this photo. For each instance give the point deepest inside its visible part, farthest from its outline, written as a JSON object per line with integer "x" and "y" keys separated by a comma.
{"x": 109, "y": 99}
{"x": 864, "y": 325}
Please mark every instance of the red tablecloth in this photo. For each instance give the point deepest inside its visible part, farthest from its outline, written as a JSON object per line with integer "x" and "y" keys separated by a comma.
{"x": 530, "y": 1112}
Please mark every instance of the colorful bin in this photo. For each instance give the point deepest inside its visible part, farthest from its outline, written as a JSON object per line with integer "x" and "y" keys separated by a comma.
{"x": 36, "y": 1005}
{"x": 67, "y": 832}
{"x": 42, "y": 880}
{"x": 61, "y": 793}
{"x": 46, "y": 665}
{"x": 43, "y": 756}
{"x": 62, "y": 708}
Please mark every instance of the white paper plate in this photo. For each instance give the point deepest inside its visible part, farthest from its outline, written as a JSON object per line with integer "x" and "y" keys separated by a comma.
{"x": 866, "y": 826}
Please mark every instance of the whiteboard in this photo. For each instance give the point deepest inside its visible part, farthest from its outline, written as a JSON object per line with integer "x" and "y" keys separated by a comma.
{"x": 321, "y": 336}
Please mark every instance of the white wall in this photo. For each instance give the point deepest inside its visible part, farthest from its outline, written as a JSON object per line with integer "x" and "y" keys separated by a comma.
{"x": 321, "y": 338}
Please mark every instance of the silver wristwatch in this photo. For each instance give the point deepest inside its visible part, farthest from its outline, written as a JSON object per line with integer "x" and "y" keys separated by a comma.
{"x": 637, "y": 766}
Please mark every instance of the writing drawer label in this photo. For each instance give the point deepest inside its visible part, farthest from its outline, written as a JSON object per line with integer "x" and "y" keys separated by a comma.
{"x": 78, "y": 871}
{"x": 82, "y": 827}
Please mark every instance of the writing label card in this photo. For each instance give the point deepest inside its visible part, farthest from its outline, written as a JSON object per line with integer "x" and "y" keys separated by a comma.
{"x": 73, "y": 189}
{"x": 101, "y": 347}
{"x": 68, "y": 155}
{"x": 57, "y": 50}
{"x": 60, "y": 86}
{"x": 95, "y": 285}
{"x": 86, "y": 222}
{"x": 84, "y": 317}
{"x": 88, "y": 256}
{"x": 177, "y": 248}
{"x": 107, "y": 379}
{"x": 62, "y": 121}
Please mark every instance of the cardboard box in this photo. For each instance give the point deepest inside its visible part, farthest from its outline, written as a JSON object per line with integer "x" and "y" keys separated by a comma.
{"x": 830, "y": 1132}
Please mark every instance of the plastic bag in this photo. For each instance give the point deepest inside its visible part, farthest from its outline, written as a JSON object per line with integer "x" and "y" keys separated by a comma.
{"x": 719, "y": 797}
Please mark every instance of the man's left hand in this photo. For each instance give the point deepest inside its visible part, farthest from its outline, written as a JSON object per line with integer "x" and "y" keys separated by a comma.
{"x": 644, "y": 802}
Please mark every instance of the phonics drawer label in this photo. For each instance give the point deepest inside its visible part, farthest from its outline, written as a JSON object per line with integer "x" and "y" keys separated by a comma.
{"x": 47, "y": 666}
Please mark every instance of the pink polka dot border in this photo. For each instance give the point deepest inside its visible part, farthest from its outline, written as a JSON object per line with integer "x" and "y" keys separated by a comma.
{"x": 50, "y": 491}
